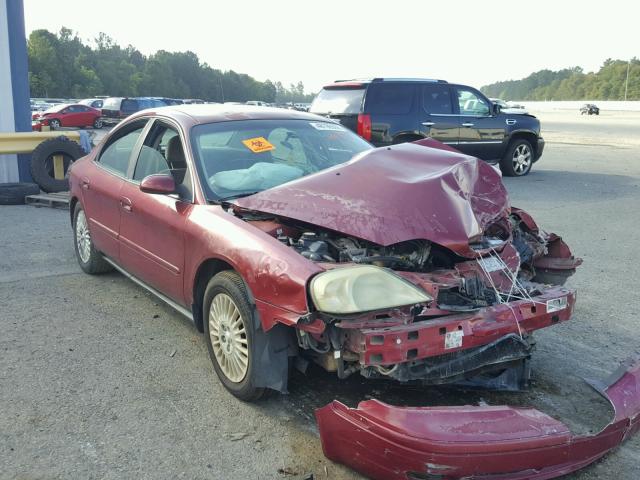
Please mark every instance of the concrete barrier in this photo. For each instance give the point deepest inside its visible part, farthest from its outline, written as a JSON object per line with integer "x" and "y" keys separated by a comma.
{"x": 26, "y": 142}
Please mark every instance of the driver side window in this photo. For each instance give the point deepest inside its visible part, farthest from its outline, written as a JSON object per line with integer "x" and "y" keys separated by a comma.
{"x": 471, "y": 104}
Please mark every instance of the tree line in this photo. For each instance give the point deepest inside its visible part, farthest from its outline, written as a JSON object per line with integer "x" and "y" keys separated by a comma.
{"x": 608, "y": 83}
{"x": 62, "y": 65}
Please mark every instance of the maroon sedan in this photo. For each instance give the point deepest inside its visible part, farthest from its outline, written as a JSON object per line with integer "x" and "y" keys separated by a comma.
{"x": 69, "y": 115}
{"x": 283, "y": 234}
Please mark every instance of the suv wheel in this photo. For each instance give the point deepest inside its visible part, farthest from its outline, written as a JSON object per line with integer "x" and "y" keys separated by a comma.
{"x": 518, "y": 160}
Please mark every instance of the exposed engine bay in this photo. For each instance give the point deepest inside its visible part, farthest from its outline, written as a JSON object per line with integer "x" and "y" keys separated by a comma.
{"x": 390, "y": 344}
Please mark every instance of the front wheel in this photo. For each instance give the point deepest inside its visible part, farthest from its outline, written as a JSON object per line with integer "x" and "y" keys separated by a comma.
{"x": 230, "y": 333}
{"x": 54, "y": 124}
{"x": 97, "y": 123}
{"x": 91, "y": 261}
{"x": 518, "y": 160}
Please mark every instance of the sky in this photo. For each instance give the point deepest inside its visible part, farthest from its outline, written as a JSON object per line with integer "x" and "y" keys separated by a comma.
{"x": 316, "y": 42}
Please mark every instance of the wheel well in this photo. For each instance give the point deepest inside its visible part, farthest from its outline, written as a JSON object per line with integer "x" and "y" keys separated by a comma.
{"x": 407, "y": 137}
{"x": 205, "y": 271}
{"x": 529, "y": 137}
{"x": 72, "y": 207}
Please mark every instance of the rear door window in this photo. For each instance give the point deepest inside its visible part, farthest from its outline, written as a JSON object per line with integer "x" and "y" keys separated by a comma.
{"x": 338, "y": 101}
{"x": 115, "y": 156}
{"x": 389, "y": 98}
{"x": 436, "y": 99}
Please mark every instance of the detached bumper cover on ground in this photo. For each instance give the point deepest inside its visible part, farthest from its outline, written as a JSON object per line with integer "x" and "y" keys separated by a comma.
{"x": 386, "y": 442}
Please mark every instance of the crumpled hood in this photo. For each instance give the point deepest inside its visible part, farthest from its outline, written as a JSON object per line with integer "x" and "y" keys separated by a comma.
{"x": 394, "y": 194}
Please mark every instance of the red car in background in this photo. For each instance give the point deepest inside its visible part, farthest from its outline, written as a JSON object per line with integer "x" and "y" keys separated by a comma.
{"x": 69, "y": 115}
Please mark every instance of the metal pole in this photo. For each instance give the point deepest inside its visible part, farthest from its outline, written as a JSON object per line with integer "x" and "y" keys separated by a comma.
{"x": 626, "y": 83}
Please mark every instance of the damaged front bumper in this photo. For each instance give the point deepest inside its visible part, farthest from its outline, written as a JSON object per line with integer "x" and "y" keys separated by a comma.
{"x": 445, "y": 443}
{"x": 453, "y": 347}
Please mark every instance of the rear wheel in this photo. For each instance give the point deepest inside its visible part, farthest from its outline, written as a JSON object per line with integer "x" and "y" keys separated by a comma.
{"x": 91, "y": 261}
{"x": 97, "y": 123}
{"x": 230, "y": 332}
{"x": 518, "y": 160}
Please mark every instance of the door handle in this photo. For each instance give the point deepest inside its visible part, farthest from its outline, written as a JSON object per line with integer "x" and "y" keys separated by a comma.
{"x": 467, "y": 124}
{"x": 85, "y": 183}
{"x": 428, "y": 124}
{"x": 125, "y": 203}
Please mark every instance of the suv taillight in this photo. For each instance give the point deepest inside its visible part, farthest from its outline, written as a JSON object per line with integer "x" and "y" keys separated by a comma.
{"x": 364, "y": 126}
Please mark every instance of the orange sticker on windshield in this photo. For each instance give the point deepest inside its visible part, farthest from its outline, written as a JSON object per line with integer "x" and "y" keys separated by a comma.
{"x": 258, "y": 144}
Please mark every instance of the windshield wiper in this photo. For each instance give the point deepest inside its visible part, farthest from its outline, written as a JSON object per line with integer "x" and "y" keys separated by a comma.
{"x": 237, "y": 195}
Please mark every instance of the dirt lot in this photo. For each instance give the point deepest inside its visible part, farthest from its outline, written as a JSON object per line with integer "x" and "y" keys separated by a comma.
{"x": 100, "y": 380}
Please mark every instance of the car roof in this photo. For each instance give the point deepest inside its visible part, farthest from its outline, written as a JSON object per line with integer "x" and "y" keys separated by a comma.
{"x": 193, "y": 114}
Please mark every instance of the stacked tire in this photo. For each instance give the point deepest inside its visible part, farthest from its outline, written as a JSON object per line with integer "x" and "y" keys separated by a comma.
{"x": 14, "y": 193}
{"x": 42, "y": 163}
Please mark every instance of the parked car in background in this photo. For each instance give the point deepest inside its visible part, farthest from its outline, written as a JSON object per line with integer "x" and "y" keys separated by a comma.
{"x": 115, "y": 109}
{"x": 69, "y": 115}
{"x": 170, "y": 101}
{"x": 257, "y": 103}
{"x": 190, "y": 101}
{"x": 589, "y": 109}
{"x": 508, "y": 107}
{"x": 92, "y": 102}
{"x": 411, "y": 275}
{"x": 387, "y": 111}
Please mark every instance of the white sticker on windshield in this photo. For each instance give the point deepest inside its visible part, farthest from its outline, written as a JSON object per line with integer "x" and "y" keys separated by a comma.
{"x": 334, "y": 127}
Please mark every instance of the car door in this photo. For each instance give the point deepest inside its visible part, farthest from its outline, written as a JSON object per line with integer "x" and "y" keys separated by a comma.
{"x": 482, "y": 134}
{"x": 152, "y": 225}
{"x": 101, "y": 187}
{"x": 436, "y": 113}
{"x": 85, "y": 117}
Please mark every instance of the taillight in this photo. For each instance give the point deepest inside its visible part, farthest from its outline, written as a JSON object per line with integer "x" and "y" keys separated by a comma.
{"x": 364, "y": 126}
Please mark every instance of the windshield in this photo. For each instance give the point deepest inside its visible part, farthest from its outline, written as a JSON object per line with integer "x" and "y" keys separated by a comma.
{"x": 242, "y": 157}
{"x": 338, "y": 101}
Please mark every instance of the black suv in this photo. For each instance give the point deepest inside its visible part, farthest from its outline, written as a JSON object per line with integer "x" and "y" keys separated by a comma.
{"x": 386, "y": 111}
{"x": 115, "y": 109}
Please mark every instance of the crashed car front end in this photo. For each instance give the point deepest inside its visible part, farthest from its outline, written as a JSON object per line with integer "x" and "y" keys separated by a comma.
{"x": 444, "y": 282}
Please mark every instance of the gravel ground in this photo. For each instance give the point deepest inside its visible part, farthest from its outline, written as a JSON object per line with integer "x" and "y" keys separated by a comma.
{"x": 99, "y": 380}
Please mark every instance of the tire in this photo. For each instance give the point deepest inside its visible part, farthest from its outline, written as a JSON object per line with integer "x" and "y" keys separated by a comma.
{"x": 226, "y": 291}
{"x": 91, "y": 260}
{"x": 14, "y": 193}
{"x": 54, "y": 124}
{"x": 97, "y": 123}
{"x": 518, "y": 159}
{"x": 41, "y": 165}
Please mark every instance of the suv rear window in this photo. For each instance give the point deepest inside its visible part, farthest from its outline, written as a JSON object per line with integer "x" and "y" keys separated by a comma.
{"x": 112, "y": 103}
{"x": 389, "y": 98}
{"x": 338, "y": 101}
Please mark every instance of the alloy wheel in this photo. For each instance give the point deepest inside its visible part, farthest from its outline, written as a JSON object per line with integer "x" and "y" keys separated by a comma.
{"x": 228, "y": 337}
{"x": 521, "y": 159}
{"x": 83, "y": 237}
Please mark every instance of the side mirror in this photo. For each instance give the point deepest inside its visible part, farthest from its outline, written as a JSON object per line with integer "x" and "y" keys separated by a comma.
{"x": 496, "y": 109}
{"x": 159, "y": 183}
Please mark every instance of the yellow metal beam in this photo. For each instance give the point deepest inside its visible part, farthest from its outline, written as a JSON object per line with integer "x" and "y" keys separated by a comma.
{"x": 58, "y": 167}
{"x": 25, "y": 142}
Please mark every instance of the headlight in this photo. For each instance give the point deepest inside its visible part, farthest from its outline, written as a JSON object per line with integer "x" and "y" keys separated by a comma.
{"x": 362, "y": 289}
